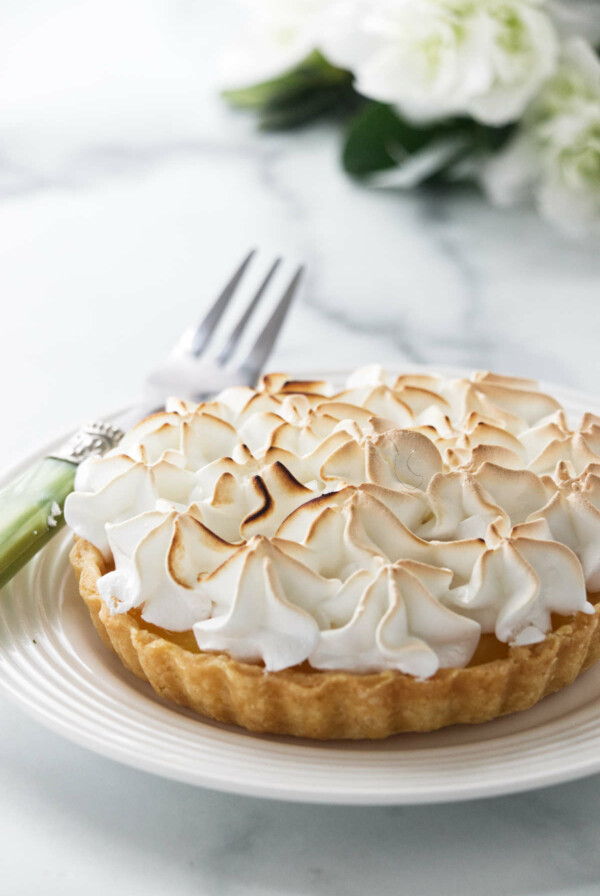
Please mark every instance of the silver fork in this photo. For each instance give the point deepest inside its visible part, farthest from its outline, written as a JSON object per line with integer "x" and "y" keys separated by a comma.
{"x": 190, "y": 371}
{"x": 31, "y": 507}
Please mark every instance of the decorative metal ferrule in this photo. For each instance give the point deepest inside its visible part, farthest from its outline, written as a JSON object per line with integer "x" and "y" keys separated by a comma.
{"x": 92, "y": 440}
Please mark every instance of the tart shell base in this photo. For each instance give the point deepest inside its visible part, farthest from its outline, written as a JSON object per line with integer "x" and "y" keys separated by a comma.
{"x": 329, "y": 705}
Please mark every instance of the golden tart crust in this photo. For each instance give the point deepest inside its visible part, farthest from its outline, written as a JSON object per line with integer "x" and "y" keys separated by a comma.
{"x": 326, "y": 705}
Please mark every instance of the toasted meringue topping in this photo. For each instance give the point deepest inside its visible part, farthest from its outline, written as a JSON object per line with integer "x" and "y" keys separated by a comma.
{"x": 383, "y": 526}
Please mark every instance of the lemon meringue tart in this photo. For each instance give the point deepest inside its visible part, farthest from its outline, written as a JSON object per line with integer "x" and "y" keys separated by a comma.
{"x": 402, "y": 554}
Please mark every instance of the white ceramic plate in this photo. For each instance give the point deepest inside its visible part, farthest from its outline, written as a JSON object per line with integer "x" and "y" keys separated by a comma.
{"x": 53, "y": 664}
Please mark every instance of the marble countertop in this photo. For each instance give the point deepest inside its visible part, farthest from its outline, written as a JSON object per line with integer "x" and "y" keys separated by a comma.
{"x": 127, "y": 192}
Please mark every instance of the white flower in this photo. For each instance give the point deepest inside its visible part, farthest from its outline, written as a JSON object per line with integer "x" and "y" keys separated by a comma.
{"x": 556, "y": 152}
{"x": 279, "y": 35}
{"x": 435, "y": 58}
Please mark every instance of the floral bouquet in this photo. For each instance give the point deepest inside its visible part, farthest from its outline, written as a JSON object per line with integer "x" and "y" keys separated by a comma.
{"x": 503, "y": 92}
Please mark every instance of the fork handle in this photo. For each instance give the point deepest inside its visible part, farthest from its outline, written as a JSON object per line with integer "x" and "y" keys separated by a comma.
{"x": 31, "y": 507}
{"x": 31, "y": 511}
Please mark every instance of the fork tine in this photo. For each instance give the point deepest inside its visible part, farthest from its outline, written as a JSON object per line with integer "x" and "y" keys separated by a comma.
{"x": 233, "y": 340}
{"x": 205, "y": 329}
{"x": 261, "y": 349}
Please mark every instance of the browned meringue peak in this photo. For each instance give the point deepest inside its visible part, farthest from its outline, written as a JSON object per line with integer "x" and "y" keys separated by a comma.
{"x": 471, "y": 459}
{"x": 312, "y": 592}
{"x": 468, "y": 427}
{"x": 291, "y": 407}
{"x": 468, "y": 445}
{"x": 303, "y": 439}
{"x": 380, "y": 401}
{"x": 432, "y": 380}
{"x": 525, "y": 384}
{"x": 306, "y": 470}
{"x": 258, "y": 430}
{"x": 409, "y": 506}
{"x": 511, "y": 402}
{"x": 353, "y": 528}
{"x": 460, "y": 505}
{"x": 514, "y": 397}
{"x": 244, "y": 495}
{"x": 539, "y": 448}
{"x": 479, "y": 440}
{"x": 517, "y": 583}
{"x": 116, "y": 487}
{"x": 460, "y": 509}
{"x": 236, "y": 405}
{"x": 392, "y": 459}
{"x": 589, "y": 427}
{"x": 553, "y": 441}
{"x": 572, "y": 517}
{"x": 518, "y": 492}
{"x": 181, "y": 406}
{"x": 302, "y": 428}
{"x": 567, "y": 482}
{"x": 392, "y": 621}
{"x": 205, "y": 438}
{"x": 194, "y": 550}
{"x": 266, "y": 607}
{"x": 572, "y": 451}
{"x": 341, "y": 607}
{"x": 335, "y": 544}
{"x": 159, "y": 558}
{"x": 463, "y": 445}
{"x": 197, "y": 436}
{"x": 325, "y": 420}
{"x": 282, "y": 382}
{"x": 264, "y": 419}
{"x": 149, "y": 439}
{"x": 239, "y": 509}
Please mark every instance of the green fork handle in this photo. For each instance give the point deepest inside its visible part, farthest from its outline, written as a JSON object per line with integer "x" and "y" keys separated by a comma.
{"x": 31, "y": 512}
{"x": 31, "y": 507}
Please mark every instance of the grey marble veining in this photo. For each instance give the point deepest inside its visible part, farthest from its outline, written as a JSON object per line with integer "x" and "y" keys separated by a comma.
{"x": 127, "y": 191}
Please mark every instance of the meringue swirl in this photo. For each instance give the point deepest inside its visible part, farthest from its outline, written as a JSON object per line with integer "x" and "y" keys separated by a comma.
{"x": 384, "y": 526}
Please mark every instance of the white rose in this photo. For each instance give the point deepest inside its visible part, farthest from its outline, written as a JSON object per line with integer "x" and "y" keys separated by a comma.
{"x": 436, "y": 58}
{"x": 278, "y": 36}
{"x": 555, "y": 154}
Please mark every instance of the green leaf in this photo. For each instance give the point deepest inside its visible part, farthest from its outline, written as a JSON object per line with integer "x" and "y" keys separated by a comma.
{"x": 379, "y": 140}
{"x": 375, "y": 139}
{"x": 313, "y": 73}
{"x": 305, "y": 107}
{"x": 298, "y": 95}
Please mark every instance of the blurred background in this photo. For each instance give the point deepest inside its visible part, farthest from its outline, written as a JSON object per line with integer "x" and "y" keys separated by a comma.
{"x": 128, "y": 190}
